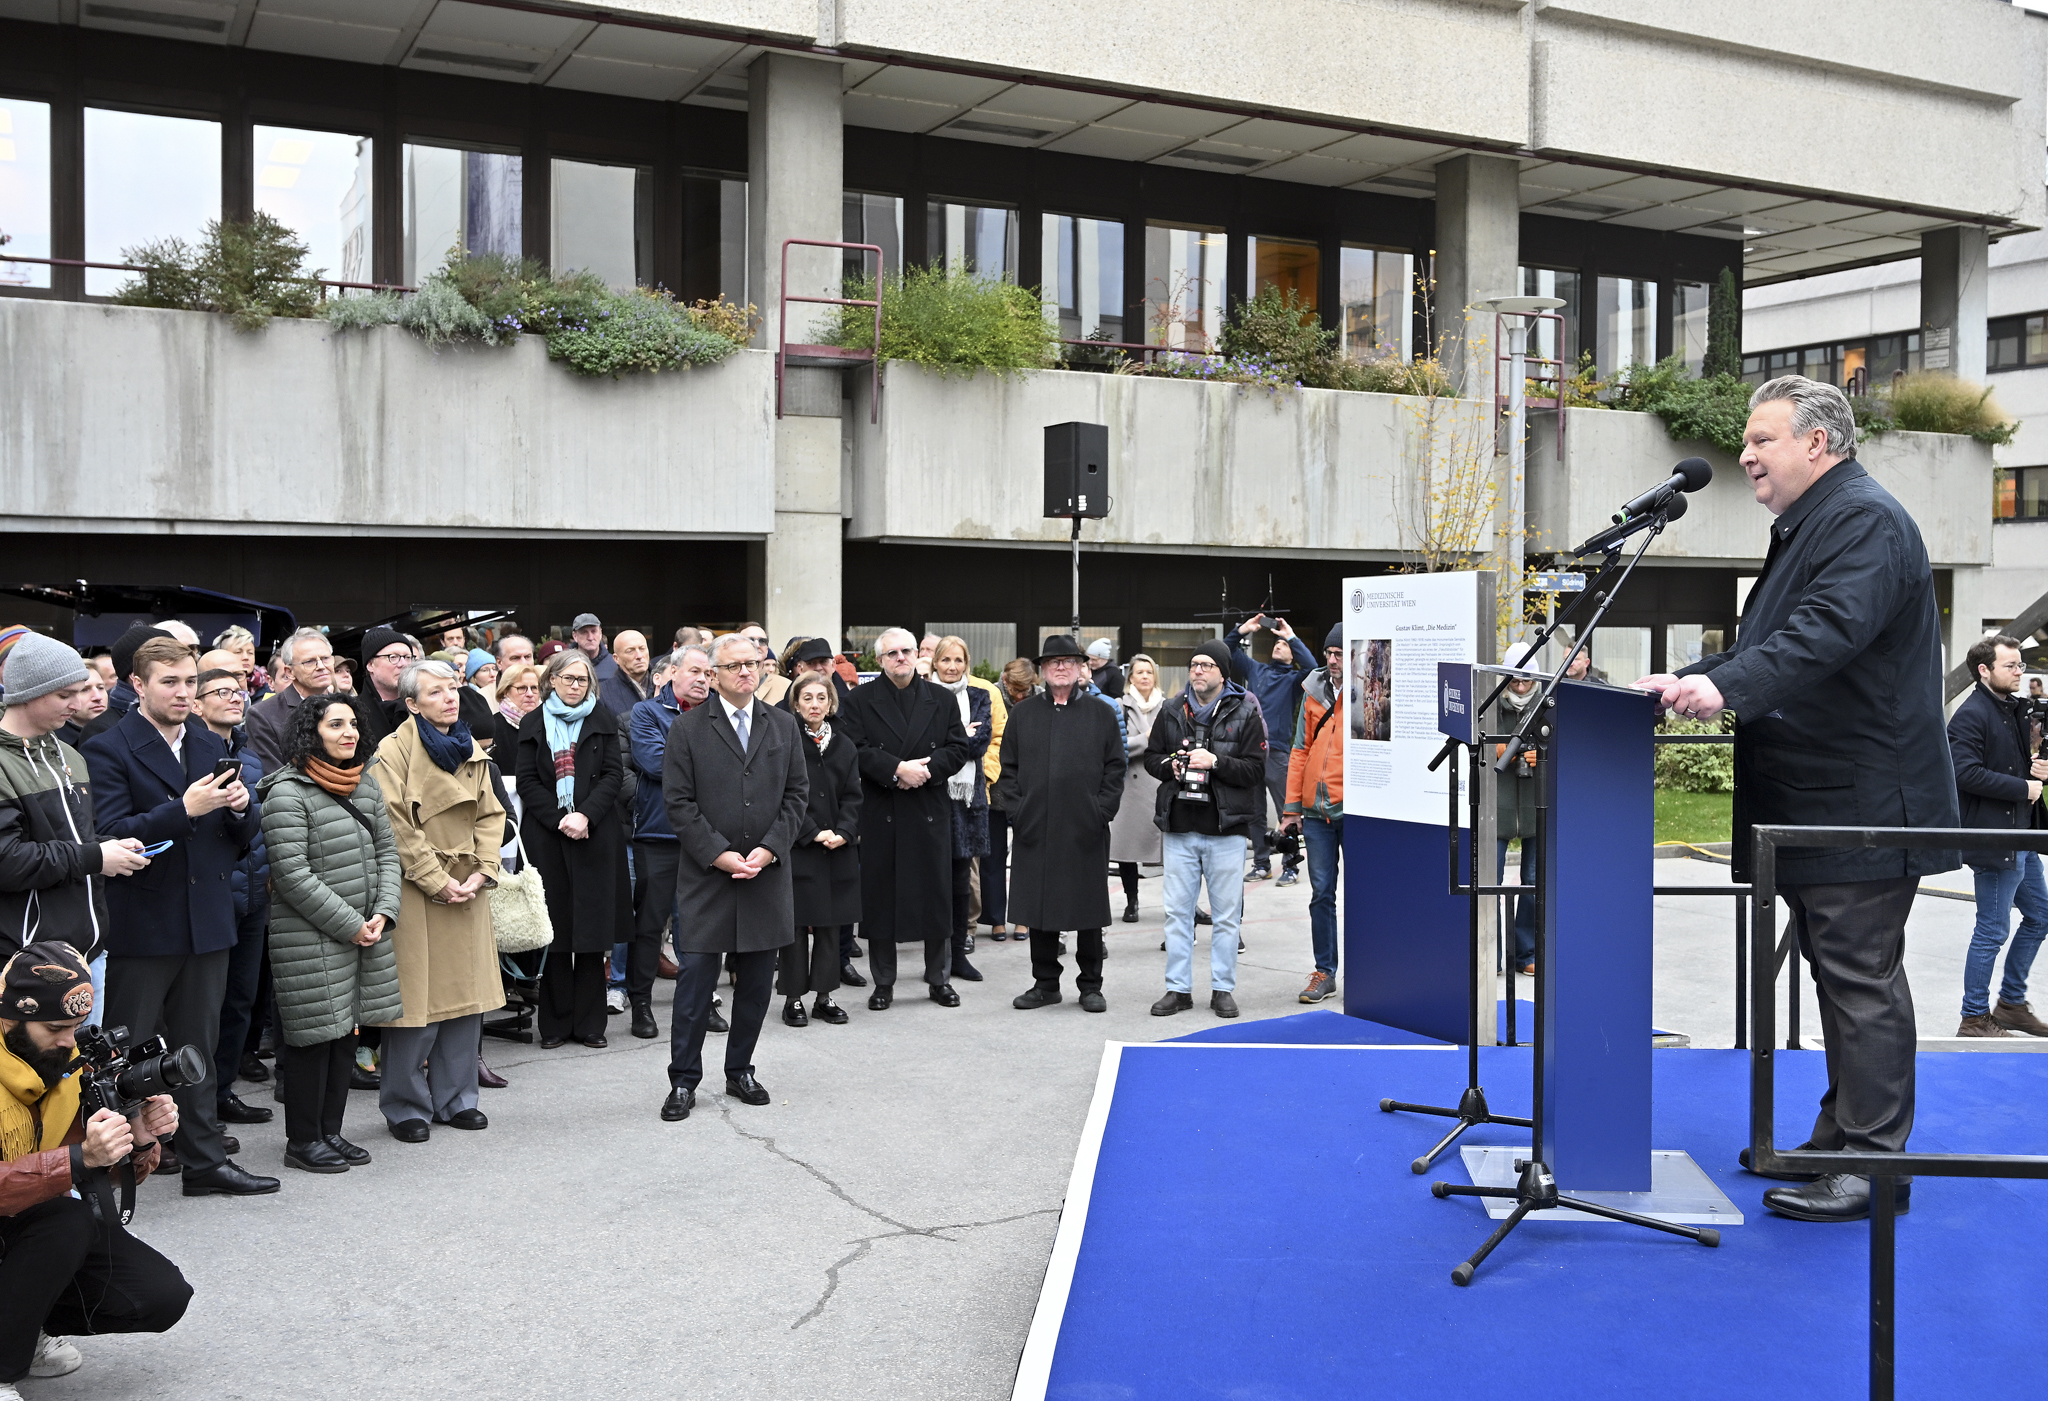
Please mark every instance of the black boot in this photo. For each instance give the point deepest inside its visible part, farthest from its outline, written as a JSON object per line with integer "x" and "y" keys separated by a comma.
{"x": 1131, "y": 909}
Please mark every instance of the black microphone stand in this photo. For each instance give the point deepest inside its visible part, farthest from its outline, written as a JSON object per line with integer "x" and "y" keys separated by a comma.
{"x": 1472, "y": 1109}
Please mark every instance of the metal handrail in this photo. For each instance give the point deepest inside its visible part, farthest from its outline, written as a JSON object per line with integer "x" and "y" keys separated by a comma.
{"x": 153, "y": 267}
{"x": 840, "y": 352}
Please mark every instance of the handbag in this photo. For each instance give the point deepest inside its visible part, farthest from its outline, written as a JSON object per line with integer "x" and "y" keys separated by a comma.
{"x": 519, "y": 908}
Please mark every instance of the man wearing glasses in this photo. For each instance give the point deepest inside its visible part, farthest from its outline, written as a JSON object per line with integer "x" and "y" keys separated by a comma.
{"x": 387, "y": 652}
{"x": 221, "y": 696}
{"x": 306, "y": 668}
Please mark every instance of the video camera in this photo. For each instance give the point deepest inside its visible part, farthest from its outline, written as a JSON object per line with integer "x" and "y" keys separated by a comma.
{"x": 121, "y": 1077}
{"x": 1287, "y": 844}
{"x": 1192, "y": 784}
{"x": 2033, "y": 710}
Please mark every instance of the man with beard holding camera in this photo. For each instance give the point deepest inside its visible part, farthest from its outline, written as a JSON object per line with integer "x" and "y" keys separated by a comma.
{"x": 1999, "y": 782}
{"x": 65, "y": 1267}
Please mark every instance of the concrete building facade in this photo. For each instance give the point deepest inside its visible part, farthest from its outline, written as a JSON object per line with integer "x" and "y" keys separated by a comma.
{"x": 1606, "y": 151}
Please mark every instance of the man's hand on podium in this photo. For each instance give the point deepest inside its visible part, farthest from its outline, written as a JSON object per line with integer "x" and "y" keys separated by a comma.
{"x": 1694, "y": 697}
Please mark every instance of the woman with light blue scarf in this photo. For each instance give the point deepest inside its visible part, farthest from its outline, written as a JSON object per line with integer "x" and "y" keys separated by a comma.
{"x": 570, "y": 767}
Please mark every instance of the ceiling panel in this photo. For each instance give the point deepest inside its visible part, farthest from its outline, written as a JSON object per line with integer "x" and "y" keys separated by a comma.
{"x": 319, "y": 38}
{"x": 1807, "y": 240}
{"x": 1278, "y": 136}
{"x": 1562, "y": 175}
{"x": 1024, "y": 100}
{"x": 1805, "y": 262}
{"x": 623, "y": 42}
{"x": 921, "y": 85}
{"x": 584, "y": 73}
{"x": 895, "y": 114}
{"x": 376, "y": 14}
{"x": 1162, "y": 120}
{"x": 1003, "y": 128}
{"x": 1729, "y": 201}
{"x": 1875, "y": 248}
{"x": 1234, "y": 160}
{"x": 1657, "y": 188}
{"x": 473, "y": 60}
{"x": 1584, "y": 206}
{"x": 35, "y": 11}
{"x": 1885, "y": 222}
{"x": 1111, "y": 144}
{"x": 1817, "y": 211}
{"x": 458, "y": 19}
{"x": 1414, "y": 181}
{"x": 1319, "y": 170}
{"x": 1381, "y": 150}
{"x": 1665, "y": 217}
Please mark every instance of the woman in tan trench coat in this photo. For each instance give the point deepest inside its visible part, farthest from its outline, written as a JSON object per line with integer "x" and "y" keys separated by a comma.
{"x": 448, "y": 824}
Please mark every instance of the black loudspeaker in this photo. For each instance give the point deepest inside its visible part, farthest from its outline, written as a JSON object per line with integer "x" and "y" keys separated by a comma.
{"x": 1077, "y": 470}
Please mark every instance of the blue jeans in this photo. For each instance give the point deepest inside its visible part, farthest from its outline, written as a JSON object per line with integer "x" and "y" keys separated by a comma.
{"x": 1192, "y": 859}
{"x": 1323, "y": 844}
{"x": 1997, "y": 892}
{"x": 1525, "y": 905}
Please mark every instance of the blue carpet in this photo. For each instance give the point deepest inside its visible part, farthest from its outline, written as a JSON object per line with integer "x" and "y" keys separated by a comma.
{"x": 1325, "y": 1027}
{"x": 1254, "y": 1231}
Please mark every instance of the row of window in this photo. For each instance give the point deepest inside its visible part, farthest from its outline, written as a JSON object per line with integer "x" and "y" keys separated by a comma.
{"x": 1848, "y": 365}
{"x": 2021, "y": 494}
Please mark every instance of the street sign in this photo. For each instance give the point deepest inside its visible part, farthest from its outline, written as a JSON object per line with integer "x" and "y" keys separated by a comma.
{"x": 1557, "y": 582}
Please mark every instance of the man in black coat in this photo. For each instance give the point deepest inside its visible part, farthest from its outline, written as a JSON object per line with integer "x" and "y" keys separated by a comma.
{"x": 172, "y": 924}
{"x": 1999, "y": 782}
{"x": 1836, "y": 676}
{"x": 1062, "y": 780}
{"x": 907, "y": 735}
{"x": 734, "y": 783}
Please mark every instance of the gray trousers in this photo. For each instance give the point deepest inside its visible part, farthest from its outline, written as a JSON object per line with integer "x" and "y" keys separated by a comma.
{"x": 1854, "y": 937}
{"x": 179, "y": 996}
{"x": 447, "y": 1085}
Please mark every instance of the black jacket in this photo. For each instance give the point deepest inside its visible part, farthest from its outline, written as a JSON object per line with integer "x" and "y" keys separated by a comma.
{"x": 1062, "y": 781}
{"x": 825, "y": 881}
{"x": 906, "y": 843}
{"x": 1989, "y": 750}
{"x": 1237, "y": 737}
{"x": 50, "y": 881}
{"x": 590, "y": 899}
{"x": 1835, "y": 680}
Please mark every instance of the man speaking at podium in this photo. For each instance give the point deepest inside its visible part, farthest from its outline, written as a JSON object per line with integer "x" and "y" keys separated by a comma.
{"x": 1836, "y": 675}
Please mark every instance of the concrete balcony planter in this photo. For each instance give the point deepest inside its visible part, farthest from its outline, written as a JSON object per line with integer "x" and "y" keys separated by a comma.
{"x": 1943, "y": 479}
{"x": 1191, "y": 465}
{"x": 131, "y": 419}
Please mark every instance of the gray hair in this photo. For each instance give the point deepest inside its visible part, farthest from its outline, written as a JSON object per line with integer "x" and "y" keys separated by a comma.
{"x": 409, "y": 680}
{"x": 728, "y": 638}
{"x": 675, "y": 658}
{"x": 886, "y": 633}
{"x": 1814, "y": 405}
{"x": 287, "y": 653}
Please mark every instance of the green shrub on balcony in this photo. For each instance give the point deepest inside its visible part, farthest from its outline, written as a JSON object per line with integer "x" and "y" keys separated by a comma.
{"x": 1926, "y": 402}
{"x": 248, "y": 272}
{"x": 949, "y": 320}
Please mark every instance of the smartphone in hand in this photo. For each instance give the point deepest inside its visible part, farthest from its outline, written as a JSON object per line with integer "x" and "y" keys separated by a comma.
{"x": 225, "y": 771}
{"x": 159, "y": 848}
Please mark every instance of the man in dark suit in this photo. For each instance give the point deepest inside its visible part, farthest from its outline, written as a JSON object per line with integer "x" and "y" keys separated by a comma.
{"x": 1837, "y": 677}
{"x": 172, "y": 925}
{"x": 734, "y": 783}
{"x": 907, "y": 734}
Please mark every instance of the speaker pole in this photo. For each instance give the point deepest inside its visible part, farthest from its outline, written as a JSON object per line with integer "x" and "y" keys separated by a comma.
{"x": 1077, "y": 577}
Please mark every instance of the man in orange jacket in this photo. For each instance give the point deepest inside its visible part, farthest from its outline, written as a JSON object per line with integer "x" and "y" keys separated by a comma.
{"x": 1315, "y": 804}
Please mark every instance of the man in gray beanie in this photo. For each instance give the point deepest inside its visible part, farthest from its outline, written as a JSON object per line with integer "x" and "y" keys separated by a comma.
{"x": 51, "y": 864}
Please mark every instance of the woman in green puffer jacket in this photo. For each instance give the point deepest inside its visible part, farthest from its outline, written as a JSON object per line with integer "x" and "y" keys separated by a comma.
{"x": 334, "y": 876}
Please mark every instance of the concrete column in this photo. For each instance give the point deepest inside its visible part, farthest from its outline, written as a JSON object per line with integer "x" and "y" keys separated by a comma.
{"x": 795, "y": 180}
{"x": 1954, "y": 279}
{"x": 1478, "y": 255}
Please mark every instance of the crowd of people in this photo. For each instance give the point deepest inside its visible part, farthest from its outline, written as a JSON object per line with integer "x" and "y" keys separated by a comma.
{"x": 312, "y": 868}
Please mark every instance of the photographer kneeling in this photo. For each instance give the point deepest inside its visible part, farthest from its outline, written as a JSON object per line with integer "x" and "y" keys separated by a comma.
{"x": 63, "y": 1269}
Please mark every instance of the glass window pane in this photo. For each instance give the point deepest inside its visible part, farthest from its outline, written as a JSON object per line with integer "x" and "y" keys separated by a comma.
{"x": 1547, "y": 341}
{"x": 1625, "y": 328}
{"x": 25, "y": 189}
{"x": 1684, "y": 644}
{"x": 2033, "y": 493}
{"x": 1287, "y": 264}
{"x": 1377, "y": 304}
{"x": 2004, "y": 495}
{"x": 1817, "y": 363}
{"x": 1184, "y": 271}
{"x": 976, "y": 238}
{"x": 146, "y": 178}
{"x": 714, "y": 238}
{"x": 876, "y": 219}
{"x": 460, "y": 200}
{"x": 1689, "y": 324}
{"x": 2037, "y": 339}
{"x": 1081, "y": 276}
{"x": 1623, "y": 653}
{"x": 601, "y": 220}
{"x": 317, "y": 184}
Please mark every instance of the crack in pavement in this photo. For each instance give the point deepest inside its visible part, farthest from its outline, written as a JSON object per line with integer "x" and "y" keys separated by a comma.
{"x": 863, "y": 1244}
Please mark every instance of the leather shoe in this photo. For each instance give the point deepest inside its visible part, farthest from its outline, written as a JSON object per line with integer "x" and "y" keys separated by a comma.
{"x": 825, "y": 1010}
{"x": 943, "y": 994}
{"x": 230, "y": 1145}
{"x": 489, "y": 1078}
{"x": 253, "y": 1069}
{"x": 1781, "y": 1175}
{"x": 228, "y": 1180}
{"x": 1093, "y": 1002}
{"x": 793, "y": 1013}
{"x": 167, "y": 1164}
{"x": 1173, "y": 1002}
{"x": 1037, "y": 995}
{"x": 411, "y": 1131}
{"x": 968, "y": 945}
{"x": 361, "y": 1079}
{"x": 549, "y": 1043}
{"x": 233, "y": 1111}
{"x": 849, "y": 976}
{"x": 350, "y": 1154}
{"x": 644, "y": 1025}
{"x": 856, "y": 951}
{"x": 716, "y": 1021}
{"x": 677, "y": 1106}
{"x": 315, "y": 1156}
{"x": 966, "y": 971}
{"x": 466, "y": 1119}
{"x": 746, "y": 1089}
{"x": 1130, "y": 915}
{"x": 880, "y": 998}
{"x": 597, "y": 1042}
{"x": 1838, "y": 1196}
{"x": 1222, "y": 1004}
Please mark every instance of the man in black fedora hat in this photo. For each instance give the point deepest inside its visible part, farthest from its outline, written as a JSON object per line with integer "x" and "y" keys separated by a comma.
{"x": 1062, "y": 778}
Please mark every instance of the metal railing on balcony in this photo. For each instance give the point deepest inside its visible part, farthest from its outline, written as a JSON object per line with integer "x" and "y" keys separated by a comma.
{"x": 322, "y": 282}
{"x": 830, "y": 356}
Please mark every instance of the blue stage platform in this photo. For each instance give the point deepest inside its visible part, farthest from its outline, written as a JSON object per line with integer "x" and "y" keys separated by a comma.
{"x": 1242, "y": 1222}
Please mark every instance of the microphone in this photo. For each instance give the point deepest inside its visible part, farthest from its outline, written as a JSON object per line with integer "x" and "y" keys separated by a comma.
{"x": 1663, "y": 498}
